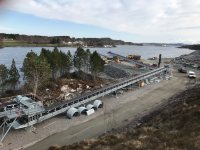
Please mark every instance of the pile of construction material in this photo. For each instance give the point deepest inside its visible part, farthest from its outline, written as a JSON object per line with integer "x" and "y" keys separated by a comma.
{"x": 116, "y": 72}
{"x": 121, "y": 70}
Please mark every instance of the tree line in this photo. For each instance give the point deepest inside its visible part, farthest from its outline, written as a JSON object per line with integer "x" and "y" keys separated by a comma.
{"x": 9, "y": 78}
{"x": 37, "y": 39}
{"x": 39, "y": 69}
{"x": 1, "y": 42}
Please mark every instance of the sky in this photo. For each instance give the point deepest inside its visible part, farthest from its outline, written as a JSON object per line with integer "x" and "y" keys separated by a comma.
{"x": 138, "y": 21}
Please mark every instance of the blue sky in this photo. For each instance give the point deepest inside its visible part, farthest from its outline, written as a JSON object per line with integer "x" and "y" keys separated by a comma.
{"x": 167, "y": 21}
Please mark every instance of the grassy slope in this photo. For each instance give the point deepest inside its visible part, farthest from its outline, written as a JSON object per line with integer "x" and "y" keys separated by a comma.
{"x": 17, "y": 43}
{"x": 175, "y": 128}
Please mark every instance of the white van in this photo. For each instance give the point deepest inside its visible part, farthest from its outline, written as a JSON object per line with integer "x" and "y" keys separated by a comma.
{"x": 191, "y": 74}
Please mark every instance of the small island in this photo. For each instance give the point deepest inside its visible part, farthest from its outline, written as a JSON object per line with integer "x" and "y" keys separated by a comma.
{"x": 12, "y": 40}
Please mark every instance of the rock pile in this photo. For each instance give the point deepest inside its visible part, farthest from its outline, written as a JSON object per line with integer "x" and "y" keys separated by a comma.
{"x": 121, "y": 70}
{"x": 116, "y": 72}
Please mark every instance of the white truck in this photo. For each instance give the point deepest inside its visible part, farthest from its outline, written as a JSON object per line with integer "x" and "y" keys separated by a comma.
{"x": 191, "y": 74}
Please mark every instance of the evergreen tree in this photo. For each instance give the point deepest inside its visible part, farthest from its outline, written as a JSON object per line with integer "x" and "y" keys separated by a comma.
{"x": 3, "y": 77}
{"x": 54, "y": 41}
{"x": 58, "y": 40}
{"x": 14, "y": 76}
{"x": 55, "y": 62}
{"x": 36, "y": 70}
{"x": 67, "y": 62}
{"x": 96, "y": 63}
{"x": 70, "y": 61}
{"x": 1, "y": 42}
{"x": 64, "y": 59}
{"x": 87, "y": 62}
{"x": 47, "y": 54}
{"x": 78, "y": 58}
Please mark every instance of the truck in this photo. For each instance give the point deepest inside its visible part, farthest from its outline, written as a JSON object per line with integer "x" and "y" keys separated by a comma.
{"x": 191, "y": 74}
{"x": 135, "y": 57}
{"x": 181, "y": 70}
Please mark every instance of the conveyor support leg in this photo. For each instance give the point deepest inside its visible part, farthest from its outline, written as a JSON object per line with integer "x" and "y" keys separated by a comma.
{"x": 3, "y": 125}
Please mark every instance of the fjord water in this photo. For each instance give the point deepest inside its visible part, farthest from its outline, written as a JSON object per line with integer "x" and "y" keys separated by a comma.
{"x": 19, "y": 53}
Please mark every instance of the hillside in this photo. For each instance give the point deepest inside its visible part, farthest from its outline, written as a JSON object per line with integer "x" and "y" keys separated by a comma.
{"x": 37, "y": 40}
{"x": 173, "y": 126}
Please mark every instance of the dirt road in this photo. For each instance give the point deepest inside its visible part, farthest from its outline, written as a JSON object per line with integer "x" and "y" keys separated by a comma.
{"x": 132, "y": 104}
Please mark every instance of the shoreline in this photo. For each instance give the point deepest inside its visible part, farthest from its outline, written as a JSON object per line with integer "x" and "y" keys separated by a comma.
{"x": 65, "y": 46}
{"x": 56, "y": 46}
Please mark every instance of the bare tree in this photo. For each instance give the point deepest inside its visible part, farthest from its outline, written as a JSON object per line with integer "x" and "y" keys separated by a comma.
{"x": 36, "y": 71}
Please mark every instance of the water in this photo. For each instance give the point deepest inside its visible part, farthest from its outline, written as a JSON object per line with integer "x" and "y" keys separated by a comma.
{"x": 19, "y": 53}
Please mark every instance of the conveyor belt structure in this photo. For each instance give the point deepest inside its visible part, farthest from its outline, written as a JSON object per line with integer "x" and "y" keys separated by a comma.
{"x": 132, "y": 61}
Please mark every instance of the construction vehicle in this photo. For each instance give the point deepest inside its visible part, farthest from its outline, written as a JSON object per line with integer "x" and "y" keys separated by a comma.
{"x": 116, "y": 59}
{"x": 191, "y": 74}
{"x": 135, "y": 57}
{"x": 181, "y": 70}
{"x": 129, "y": 56}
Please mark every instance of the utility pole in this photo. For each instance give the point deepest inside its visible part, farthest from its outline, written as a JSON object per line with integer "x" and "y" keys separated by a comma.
{"x": 159, "y": 61}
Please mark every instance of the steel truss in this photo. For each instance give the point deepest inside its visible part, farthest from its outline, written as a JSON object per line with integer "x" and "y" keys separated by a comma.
{"x": 4, "y": 125}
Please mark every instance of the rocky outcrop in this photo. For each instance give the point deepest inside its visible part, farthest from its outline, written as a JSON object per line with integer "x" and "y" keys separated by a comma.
{"x": 193, "y": 47}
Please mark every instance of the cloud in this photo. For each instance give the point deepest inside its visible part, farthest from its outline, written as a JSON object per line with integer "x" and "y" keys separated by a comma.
{"x": 189, "y": 41}
{"x": 145, "y": 17}
{"x": 2, "y": 28}
{"x": 186, "y": 28}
